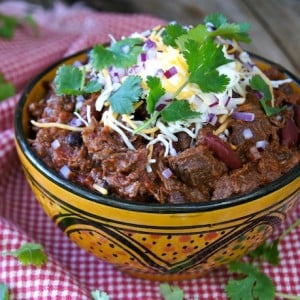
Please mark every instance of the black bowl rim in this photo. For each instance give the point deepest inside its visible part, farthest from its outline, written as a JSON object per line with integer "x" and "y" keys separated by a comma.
{"x": 116, "y": 202}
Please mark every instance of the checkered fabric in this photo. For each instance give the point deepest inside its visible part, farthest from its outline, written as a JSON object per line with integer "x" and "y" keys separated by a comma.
{"x": 70, "y": 272}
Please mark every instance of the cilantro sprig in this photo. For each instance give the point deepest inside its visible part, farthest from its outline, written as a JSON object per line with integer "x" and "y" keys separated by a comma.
{"x": 171, "y": 292}
{"x": 177, "y": 35}
{"x": 121, "y": 54}
{"x": 99, "y": 295}
{"x": 156, "y": 91}
{"x": 235, "y": 31}
{"x": 129, "y": 92}
{"x": 70, "y": 80}
{"x": 29, "y": 254}
{"x": 203, "y": 62}
{"x": 258, "y": 84}
{"x": 9, "y": 24}
{"x": 253, "y": 285}
{"x": 6, "y": 88}
{"x": 174, "y": 111}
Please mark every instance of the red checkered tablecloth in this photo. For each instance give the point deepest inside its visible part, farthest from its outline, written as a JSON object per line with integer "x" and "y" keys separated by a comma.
{"x": 70, "y": 272}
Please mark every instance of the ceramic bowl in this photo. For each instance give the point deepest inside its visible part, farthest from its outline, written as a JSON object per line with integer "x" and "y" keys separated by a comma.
{"x": 154, "y": 241}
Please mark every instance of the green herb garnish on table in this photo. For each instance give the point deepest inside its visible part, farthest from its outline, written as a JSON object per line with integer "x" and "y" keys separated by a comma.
{"x": 4, "y": 291}
{"x": 29, "y": 254}
{"x": 9, "y": 24}
{"x": 6, "y": 88}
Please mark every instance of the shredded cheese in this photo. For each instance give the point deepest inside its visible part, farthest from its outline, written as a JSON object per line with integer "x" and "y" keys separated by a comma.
{"x": 55, "y": 125}
{"x": 100, "y": 189}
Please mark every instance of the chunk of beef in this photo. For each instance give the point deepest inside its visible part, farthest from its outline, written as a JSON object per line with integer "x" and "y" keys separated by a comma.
{"x": 101, "y": 141}
{"x": 240, "y": 181}
{"x": 174, "y": 191}
{"x": 260, "y": 127}
{"x": 183, "y": 143}
{"x": 197, "y": 166}
{"x": 126, "y": 174}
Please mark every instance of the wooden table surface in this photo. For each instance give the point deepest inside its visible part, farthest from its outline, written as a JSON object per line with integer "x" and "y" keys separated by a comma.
{"x": 275, "y": 24}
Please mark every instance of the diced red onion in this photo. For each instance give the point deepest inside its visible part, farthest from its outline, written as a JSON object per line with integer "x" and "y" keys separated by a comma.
{"x": 261, "y": 145}
{"x": 214, "y": 103}
{"x": 55, "y": 144}
{"x": 151, "y": 53}
{"x": 255, "y": 153}
{"x": 227, "y": 101}
{"x": 244, "y": 116}
{"x": 149, "y": 44}
{"x": 65, "y": 171}
{"x": 167, "y": 173}
{"x": 258, "y": 94}
{"x": 162, "y": 104}
{"x": 115, "y": 79}
{"x": 76, "y": 122}
{"x": 212, "y": 119}
{"x": 143, "y": 57}
{"x": 160, "y": 73}
{"x": 247, "y": 133}
{"x": 171, "y": 72}
{"x": 249, "y": 65}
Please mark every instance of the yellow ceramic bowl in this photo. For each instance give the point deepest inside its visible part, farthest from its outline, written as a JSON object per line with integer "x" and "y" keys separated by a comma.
{"x": 154, "y": 241}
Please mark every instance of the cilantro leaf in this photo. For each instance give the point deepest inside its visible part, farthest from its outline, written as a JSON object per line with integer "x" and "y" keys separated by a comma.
{"x": 101, "y": 57}
{"x": 6, "y": 89}
{"x": 172, "y": 32}
{"x": 237, "y": 31}
{"x": 129, "y": 92}
{"x": 121, "y": 54}
{"x": 217, "y": 19}
{"x": 268, "y": 252}
{"x": 170, "y": 292}
{"x": 4, "y": 292}
{"x": 99, "y": 295}
{"x": 156, "y": 91}
{"x": 258, "y": 84}
{"x": 29, "y": 253}
{"x": 30, "y": 21}
{"x": 70, "y": 80}
{"x": 254, "y": 284}
{"x": 92, "y": 87}
{"x": 197, "y": 34}
{"x": 178, "y": 110}
{"x": 240, "y": 289}
{"x": 8, "y": 25}
{"x": 203, "y": 62}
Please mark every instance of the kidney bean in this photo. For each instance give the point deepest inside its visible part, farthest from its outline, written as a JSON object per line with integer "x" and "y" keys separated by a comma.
{"x": 223, "y": 151}
{"x": 297, "y": 115}
{"x": 289, "y": 133}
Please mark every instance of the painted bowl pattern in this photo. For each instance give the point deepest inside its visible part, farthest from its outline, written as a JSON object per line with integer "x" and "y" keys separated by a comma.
{"x": 154, "y": 241}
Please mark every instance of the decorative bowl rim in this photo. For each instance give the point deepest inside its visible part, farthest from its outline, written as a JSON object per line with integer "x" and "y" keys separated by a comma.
{"x": 116, "y": 202}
